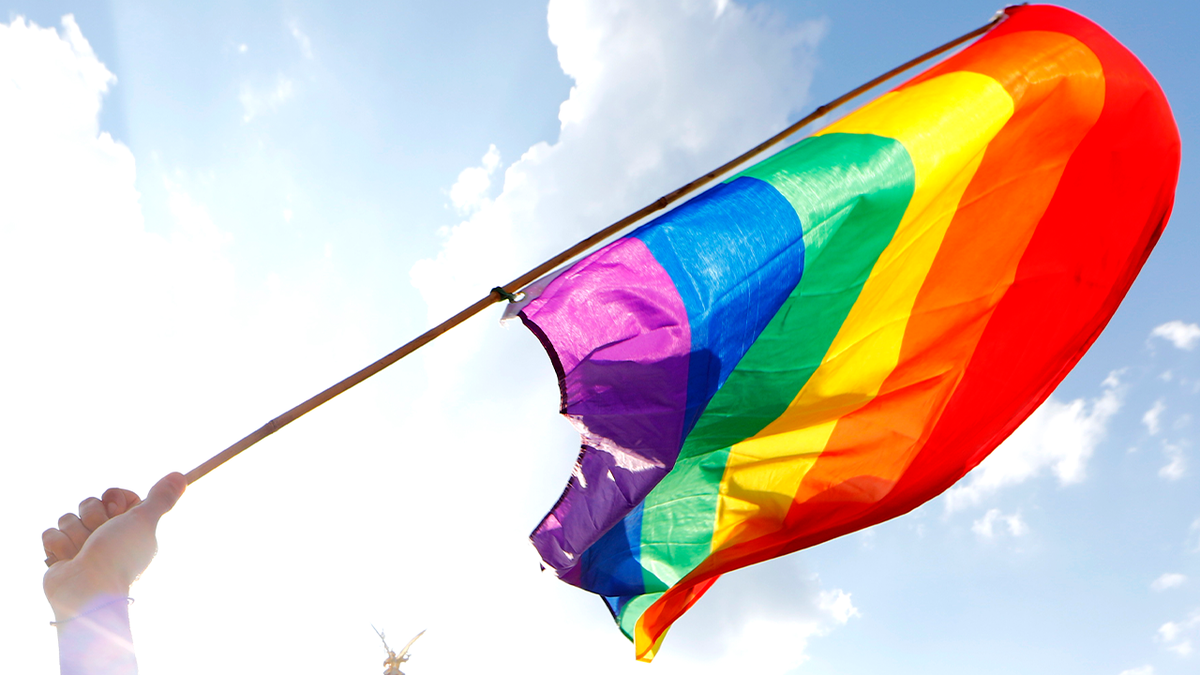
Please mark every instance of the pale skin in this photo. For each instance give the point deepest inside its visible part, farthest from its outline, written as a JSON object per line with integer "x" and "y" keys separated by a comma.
{"x": 97, "y": 554}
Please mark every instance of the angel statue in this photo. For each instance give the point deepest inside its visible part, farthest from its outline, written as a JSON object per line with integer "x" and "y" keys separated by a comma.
{"x": 392, "y": 662}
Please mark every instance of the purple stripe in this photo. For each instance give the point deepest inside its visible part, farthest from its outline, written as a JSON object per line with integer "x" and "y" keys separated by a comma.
{"x": 618, "y": 333}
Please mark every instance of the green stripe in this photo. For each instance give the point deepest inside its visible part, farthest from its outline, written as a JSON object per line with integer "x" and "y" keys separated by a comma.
{"x": 633, "y": 611}
{"x": 850, "y": 192}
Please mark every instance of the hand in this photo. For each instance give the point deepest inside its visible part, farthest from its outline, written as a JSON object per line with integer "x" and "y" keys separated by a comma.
{"x": 101, "y": 551}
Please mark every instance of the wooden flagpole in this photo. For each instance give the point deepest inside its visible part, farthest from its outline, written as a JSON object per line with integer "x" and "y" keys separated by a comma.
{"x": 553, "y": 263}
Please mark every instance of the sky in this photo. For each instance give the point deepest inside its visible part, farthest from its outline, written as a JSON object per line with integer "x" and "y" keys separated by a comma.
{"x": 209, "y": 212}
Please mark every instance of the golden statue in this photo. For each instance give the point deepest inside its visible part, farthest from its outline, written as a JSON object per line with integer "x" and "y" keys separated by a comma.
{"x": 392, "y": 662}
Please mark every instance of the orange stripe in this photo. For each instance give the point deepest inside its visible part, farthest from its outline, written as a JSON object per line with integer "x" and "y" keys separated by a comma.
{"x": 1062, "y": 96}
{"x": 945, "y": 126}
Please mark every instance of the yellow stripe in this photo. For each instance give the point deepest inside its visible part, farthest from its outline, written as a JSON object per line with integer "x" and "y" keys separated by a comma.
{"x": 945, "y": 125}
{"x": 644, "y": 648}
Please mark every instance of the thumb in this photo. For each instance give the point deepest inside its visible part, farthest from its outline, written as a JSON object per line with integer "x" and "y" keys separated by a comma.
{"x": 163, "y": 495}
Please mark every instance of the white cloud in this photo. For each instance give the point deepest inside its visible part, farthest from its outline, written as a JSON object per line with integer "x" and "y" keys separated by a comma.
{"x": 1182, "y": 335}
{"x": 1152, "y": 417}
{"x": 1177, "y": 636}
{"x": 985, "y": 527}
{"x": 1176, "y": 466}
{"x": 32, "y": 93}
{"x": 301, "y": 39}
{"x": 741, "y": 622}
{"x": 1182, "y": 647}
{"x": 1141, "y": 670}
{"x": 255, "y": 102}
{"x": 1060, "y": 437}
{"x": 243, "y": 48}
{"x": 1016, "y": 526}
{"x": 839, "y": 606}
{"x": 72, "y": 236}
{"x": 663, "y": 91}
{"x": 128, "y": 351}
{"x": 469, "y": 192}
{"x": 1168, "y": 580}
{"x": 1169, "y": 631}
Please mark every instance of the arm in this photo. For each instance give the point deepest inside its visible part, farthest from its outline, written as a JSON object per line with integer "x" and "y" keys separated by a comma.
{"x": 96, "y": 555}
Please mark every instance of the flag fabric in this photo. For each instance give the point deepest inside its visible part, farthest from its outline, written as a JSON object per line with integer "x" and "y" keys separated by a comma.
{"x": 837, "y": 334}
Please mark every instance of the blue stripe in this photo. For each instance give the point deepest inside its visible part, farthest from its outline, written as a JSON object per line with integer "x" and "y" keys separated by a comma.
{"x": 729, "y": 301}
{"x": 610, "y": 566}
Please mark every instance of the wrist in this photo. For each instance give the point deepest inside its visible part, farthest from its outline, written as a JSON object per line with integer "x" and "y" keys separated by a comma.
{"x": 75, "y": 591}
{"x": 103, "y": 608}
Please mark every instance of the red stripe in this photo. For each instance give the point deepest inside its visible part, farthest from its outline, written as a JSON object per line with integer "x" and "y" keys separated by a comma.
{"x": 1107, "y": 214}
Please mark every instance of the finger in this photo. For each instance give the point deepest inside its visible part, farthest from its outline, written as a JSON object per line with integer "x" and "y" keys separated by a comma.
{"x": 91, "y": 512}
{"x": 58, "y": 545}
{"x": 163, "y": 495}
{"x": 118, "y": 501}
{"x": 74, "y": 529}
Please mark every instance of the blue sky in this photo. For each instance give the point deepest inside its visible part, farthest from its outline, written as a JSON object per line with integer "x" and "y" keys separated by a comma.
{"x": 289, "y": 190}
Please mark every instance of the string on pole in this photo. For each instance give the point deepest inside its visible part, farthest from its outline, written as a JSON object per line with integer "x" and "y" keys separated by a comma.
{"x": 509, "y": 290}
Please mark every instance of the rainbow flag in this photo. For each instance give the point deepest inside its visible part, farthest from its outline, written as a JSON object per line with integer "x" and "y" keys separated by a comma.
{"x": 837, "y": 334}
